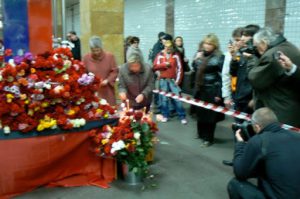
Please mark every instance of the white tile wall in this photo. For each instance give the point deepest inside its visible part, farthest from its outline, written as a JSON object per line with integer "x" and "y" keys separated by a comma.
{"x": 73, "y": 18}
{"x": 144, "y": 19}
{"x": 196, "y": 18}
{"x": 292, "y": 22}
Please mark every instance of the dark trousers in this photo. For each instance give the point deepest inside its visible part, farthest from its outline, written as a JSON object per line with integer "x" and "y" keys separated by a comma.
{"x": 206, "y": 131}
{"x": 243, "y": 190}
{"x": 242, "y": 107}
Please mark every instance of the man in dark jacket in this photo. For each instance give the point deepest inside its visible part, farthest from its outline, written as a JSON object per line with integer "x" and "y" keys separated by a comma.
{"x": 273, "y": 86}
{"x": 272, "y": 156}
{"x": 238, "y": 68}
{"x": 76, "y": 51}
{"x": 158, "y": 47}
{"x": 136, "y": 82}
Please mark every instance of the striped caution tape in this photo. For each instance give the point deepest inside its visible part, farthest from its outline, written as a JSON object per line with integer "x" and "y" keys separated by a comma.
{"x": 216, "y": 108}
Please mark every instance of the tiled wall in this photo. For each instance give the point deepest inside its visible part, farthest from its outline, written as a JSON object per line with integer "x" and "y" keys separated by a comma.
{"x": 145, "y": 19}
{"x": 73, "y": 18}
{"x": 196, "y": 18}
{"x": 292, "y": 22}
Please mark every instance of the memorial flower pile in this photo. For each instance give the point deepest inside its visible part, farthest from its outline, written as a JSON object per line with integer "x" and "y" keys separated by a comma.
{"x": 50, "y": 90}
{"x": 129, "y": 142}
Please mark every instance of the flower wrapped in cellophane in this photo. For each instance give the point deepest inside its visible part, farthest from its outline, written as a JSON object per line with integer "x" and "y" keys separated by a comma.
{"x": 130, "y": 141}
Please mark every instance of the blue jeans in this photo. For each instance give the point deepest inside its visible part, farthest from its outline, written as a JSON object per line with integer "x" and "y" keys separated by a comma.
{"x": 168, "y": 85}
{"x": 157, "y": 97}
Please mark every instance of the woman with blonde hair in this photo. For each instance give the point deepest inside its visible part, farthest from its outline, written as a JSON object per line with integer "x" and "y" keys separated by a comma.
{"x": 208, "y": 64}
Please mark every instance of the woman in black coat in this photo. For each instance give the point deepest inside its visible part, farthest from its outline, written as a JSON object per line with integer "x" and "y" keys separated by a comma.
{"x": 208, "y": 64}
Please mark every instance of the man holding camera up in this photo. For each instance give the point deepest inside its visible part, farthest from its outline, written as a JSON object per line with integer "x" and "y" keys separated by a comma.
{"x": 272, "y": 156}
{"x": 272, "y": 84}
{"x": 241, "y": 88}
{"x": 238, "y": 68}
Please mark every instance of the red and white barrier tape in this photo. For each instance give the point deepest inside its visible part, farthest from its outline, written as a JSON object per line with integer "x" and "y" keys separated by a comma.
{"x": 216, "y": 108}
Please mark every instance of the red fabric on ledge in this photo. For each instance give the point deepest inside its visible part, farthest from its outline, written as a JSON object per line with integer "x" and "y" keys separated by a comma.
{"x": 59, "y": 160}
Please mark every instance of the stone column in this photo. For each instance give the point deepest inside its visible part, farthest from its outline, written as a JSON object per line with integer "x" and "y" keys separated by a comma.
{"x": 275, "y": 14}
{"x": 170, "y": 17}
{"x": 105, "y": 19}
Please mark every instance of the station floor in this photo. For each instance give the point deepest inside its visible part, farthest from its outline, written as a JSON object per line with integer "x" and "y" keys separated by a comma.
{"x": 181, "y": 169}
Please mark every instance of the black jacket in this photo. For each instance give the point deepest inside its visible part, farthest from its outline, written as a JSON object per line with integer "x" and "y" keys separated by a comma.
{"x": 157, "y": 48}
{"x": 76, "y": 51}
{"x": 243, "y": 93}
{"x": 273, "y": 156}
{"x": 208, "y": 86}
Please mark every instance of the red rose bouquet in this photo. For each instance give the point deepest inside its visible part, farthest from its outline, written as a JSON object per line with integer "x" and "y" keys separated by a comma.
{"x": 129, "y": 142}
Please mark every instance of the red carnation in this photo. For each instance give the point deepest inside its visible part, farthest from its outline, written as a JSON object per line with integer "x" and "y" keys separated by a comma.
{"x": 8, "y": 52}
{"x": 107, "y": 149}
{"x": 138, "y": 115}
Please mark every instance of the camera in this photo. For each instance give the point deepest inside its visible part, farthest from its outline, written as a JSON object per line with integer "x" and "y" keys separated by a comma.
{"x": 247, "y": 130}
{"x": 249, "y": 48}
{"x": 277, "y": 55}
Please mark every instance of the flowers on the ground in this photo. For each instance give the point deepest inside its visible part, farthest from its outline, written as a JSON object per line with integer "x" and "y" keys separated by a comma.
{"x": 129, "y": 141}
{"x": 50, "y": 90}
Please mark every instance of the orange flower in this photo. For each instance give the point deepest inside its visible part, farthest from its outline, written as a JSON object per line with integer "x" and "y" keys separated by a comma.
{"x": 23, "y": 81}
{"x": 32, "y": 70}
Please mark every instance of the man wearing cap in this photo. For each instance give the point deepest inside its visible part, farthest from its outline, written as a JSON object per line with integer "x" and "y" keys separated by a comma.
{"x": 157, "y": 47}
{"x": 171, "y": 72}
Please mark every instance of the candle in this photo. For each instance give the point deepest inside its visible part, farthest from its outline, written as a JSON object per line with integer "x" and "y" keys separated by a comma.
{"x": 127, "y": 103}
{"x": 151, "y": 115}
{"x": 122, "y": 105}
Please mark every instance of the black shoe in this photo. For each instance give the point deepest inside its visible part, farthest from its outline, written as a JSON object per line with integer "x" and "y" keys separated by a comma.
{"x": 206, "y": 144}
{"x": 173, "y": 114}
{"x": 227, "y": 163}
{"x": 157, "y": 112}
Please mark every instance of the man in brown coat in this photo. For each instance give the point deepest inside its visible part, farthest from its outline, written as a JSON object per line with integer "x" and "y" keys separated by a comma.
{"x": 136, "y": 82}
{"x": 275, "y": 87}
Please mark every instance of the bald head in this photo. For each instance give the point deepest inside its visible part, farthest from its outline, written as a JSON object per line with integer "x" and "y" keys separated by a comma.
{"x": 263, "y": 117}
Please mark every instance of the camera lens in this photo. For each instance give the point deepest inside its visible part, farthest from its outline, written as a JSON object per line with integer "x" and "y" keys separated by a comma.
{"x": 235, "y": 126}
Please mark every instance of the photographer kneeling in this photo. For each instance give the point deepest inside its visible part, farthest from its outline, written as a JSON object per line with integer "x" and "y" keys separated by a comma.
{"x": 272, "y": 156}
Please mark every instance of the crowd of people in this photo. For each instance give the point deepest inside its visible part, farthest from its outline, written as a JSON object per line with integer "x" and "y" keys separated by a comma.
{"x": 260, "y": 69}
{"x": 258, "y": 74}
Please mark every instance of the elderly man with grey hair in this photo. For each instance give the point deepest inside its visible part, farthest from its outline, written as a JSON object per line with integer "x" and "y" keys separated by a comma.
{"x": 136, "y": 82}
{"x": 274, "y": 87}
{"x": 272, "y": 156}
{"x": 104, "y": 66}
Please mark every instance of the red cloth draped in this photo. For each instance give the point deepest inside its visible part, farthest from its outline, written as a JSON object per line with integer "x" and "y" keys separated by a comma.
{"x": 59, "y": 160}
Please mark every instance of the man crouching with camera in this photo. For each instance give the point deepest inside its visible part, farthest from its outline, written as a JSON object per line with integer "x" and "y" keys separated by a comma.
{"x": 272, "y": 156}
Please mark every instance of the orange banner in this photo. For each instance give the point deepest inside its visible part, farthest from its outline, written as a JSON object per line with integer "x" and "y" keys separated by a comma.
{"x": 40, "y": 25}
